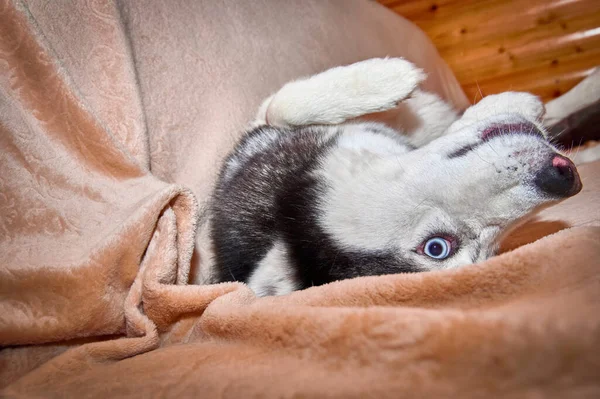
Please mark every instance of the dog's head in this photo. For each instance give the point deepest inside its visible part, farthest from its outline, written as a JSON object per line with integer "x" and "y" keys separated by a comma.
{"x": 447, "y": 203}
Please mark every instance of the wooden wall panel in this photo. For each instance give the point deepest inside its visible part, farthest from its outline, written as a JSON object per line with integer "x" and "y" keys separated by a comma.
{"x": 541, "y": 46}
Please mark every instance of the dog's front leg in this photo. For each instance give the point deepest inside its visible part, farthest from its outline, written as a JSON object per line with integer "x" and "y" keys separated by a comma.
{"x": 342, "y": 93}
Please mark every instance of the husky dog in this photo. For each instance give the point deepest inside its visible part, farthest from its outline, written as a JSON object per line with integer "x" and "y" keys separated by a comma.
{"x": 309, "y": 196}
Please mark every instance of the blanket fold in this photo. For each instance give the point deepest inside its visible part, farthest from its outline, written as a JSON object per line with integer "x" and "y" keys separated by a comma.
{"x": 78, "y": 210}
{"x": 524, "y": 323}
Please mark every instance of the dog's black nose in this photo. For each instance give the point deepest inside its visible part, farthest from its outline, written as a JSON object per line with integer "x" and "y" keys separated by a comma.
{"x": 559, "y": 178}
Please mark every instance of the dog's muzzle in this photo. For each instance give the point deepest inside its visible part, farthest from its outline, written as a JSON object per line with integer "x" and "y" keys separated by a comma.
{"x": 559, "y": 177}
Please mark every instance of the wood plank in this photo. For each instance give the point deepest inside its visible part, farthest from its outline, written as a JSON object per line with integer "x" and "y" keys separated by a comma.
{"x": 582, "y": 53}
{"x": 530, "y": 30}
{"x": 542, "y": 46}
{"x": 536, "y": 82}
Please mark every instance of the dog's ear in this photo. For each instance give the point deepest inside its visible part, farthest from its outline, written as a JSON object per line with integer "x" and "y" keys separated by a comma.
{"x": 526, "y": 105}
{"x": 342, "y": 93}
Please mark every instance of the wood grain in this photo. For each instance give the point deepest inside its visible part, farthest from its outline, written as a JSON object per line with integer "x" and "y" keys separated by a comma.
{"x": 542, "y": 46}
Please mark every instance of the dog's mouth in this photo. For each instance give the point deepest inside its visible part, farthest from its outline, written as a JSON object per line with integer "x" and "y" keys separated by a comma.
{"x": 522, "y": 128}
{"x": 499, "y": 130}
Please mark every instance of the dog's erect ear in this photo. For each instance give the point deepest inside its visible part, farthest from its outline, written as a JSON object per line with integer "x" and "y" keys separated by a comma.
{"x": 526, "y": 105}
{"x": 342, "y": 93}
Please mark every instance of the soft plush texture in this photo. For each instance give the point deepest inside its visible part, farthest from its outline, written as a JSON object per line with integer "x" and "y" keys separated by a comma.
{"x": 113, "y": 121}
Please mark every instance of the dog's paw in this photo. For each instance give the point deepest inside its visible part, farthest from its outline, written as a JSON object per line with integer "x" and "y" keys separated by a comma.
{"x": 525, "y": 104}
{"x": 346, "y": 92}
{"x": 380, "y": 84}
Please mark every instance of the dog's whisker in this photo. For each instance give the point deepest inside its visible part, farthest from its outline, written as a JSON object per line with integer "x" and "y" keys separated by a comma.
{"x": 419, "y": 204}
{"x": 492, "y": 147}
{"x": 578, "y": 147}
{"x": 335, "y": 258}
{"x": 479, "y": 156}
{"x": 479, "y": 89}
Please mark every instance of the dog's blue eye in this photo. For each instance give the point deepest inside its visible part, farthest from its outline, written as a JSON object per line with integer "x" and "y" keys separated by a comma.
{"x": 437, "y": 248}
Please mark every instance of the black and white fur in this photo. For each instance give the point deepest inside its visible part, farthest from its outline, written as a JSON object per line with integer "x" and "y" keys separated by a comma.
{"x": 307, "y": 197}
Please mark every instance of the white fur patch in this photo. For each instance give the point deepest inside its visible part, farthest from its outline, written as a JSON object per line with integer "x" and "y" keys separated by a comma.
{"x": 429, "y": 117}
{"x": 360, "y": 172}
{"x": 273, "y": 275}
{"x": 386, "y": 142}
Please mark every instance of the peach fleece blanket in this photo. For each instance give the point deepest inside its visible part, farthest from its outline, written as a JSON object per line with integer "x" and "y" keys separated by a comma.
{"x": 113, "y": 120}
